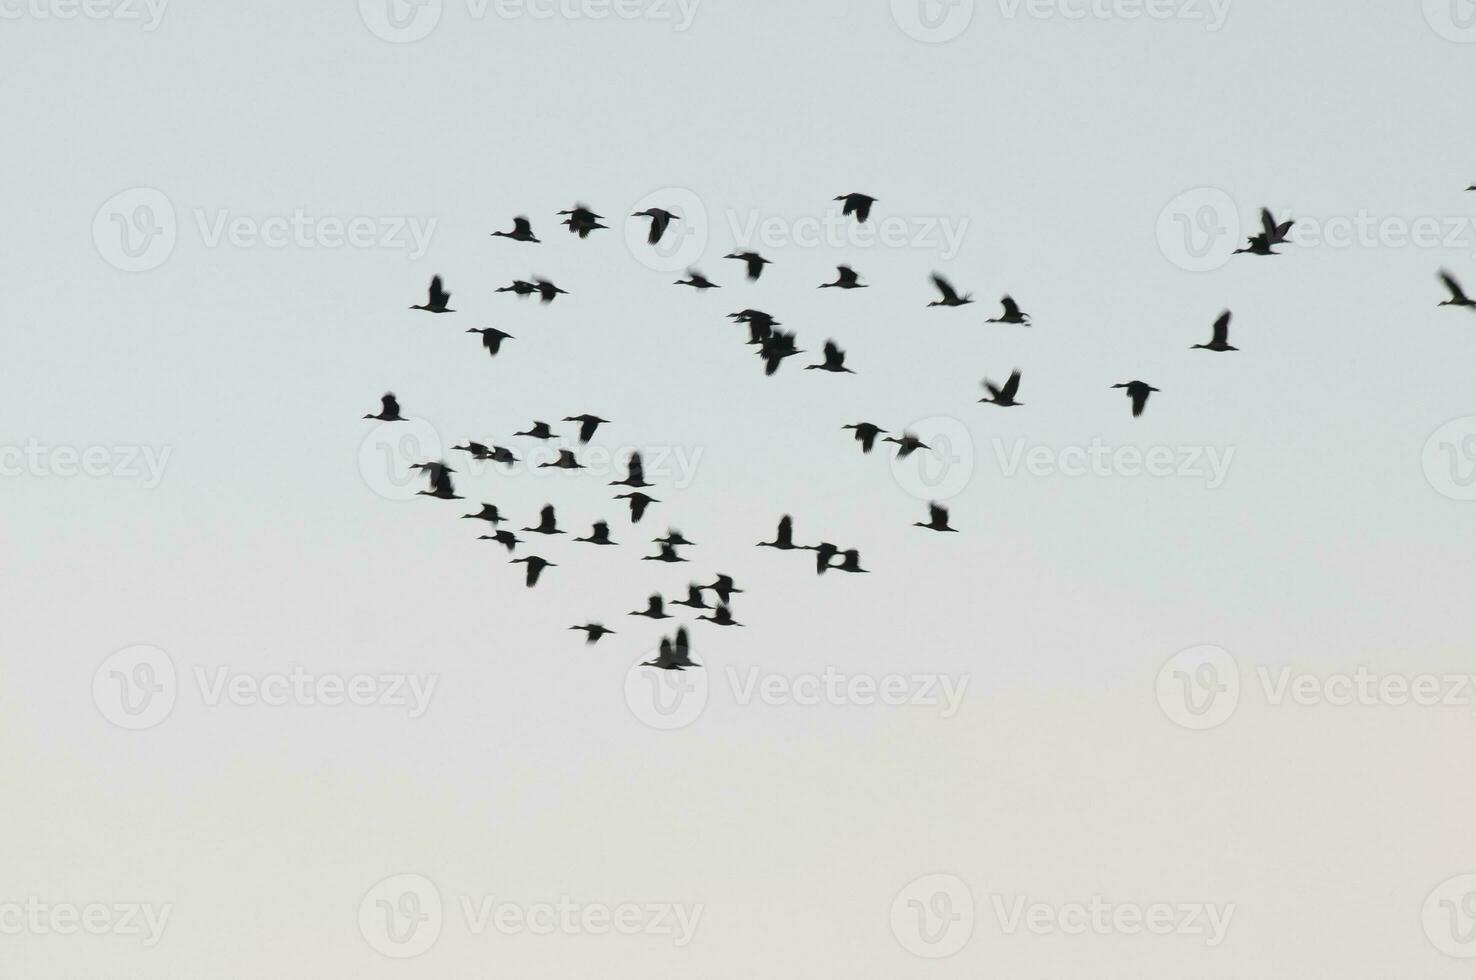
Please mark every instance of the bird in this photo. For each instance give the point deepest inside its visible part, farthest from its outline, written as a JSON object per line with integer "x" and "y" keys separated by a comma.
{"x": 721, "y": 616}
{"x": 441, "y": 486}
{"x": 1457, "y": 294}
{"x": 694, "y": 598}
{"x": 547, "y": 522}
{"x": 754, "y": 316}
{"x": 851, "y": 562}
{"x": 566, "y": 461}
{"x": 1138, "y": 391}
{"x": 593, "y": 631}
{"x": 775, "y": 347}
{"x": 638, "y": 504}
{"x": 1011, "y": 313}
{"x": 507, "y": 539}
{"x": 825, "y": 553}
{"x": 661, "y": 219}
{"x": 866, "y": 434}
{"x": 477, "y": 450}
{"x": 857, "y": 204}
{"x": 389, "y": 409}
{"x": 907, "y": 445}
{"x": 753, "y": 261}
{"x": 488, "y": 513}
{"x": 950, "y": 295}
{"x": 783, "y": 536}
{"x": 587, "y": 425}
{"x": 492, "y": 338}
{"x": 1276, "y": 234}
{"x": 1221, "y": 340}
{"x": 432, "y": 470}
{"x": 653, "y": 610}
{"x": 675, "y": 537}
{"x": 501, "y": 455}
{"x": 581, "y": 220}
{"x": 835, "y": 360}
{"x": 1258, "y": 245}
{"x": 547, "y": 290}
{"x": 522, "y": 231}
{"x": 681, "y": 649}
{"x": 937, "y": 519}
{"x": 697, "y": 280}
{"x": 598, "y": 534}
{"x": 540, "y": 430}
{"x": 635, "y": 473}
{"x": 1471, "y": 188}
{"x": 1004, "y": 397}
{"x": 436, "y": 298}
{"x": 667, "y": 554}
{"x": 520, "y": 286}
{"x": 724, "y": 588}
{"x": 535, "y": 565}
{"x": 846, "y": 278}
{"x": 673, "y": 655}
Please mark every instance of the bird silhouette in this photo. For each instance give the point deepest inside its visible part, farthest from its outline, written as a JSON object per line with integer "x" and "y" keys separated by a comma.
{"x": 566, "y": 461}
{"x": 599, "y": 534}
{"x": 492, "y": 338}
{"x": 389, "y": 409}
{"x": 907, "y": 445}
{"x": 1458, "y": 297}
{"x": 661, "y": 219}
{"x": 547, "y": 290}
{"x": 581, "y": 220}
{"x": 775, "y": 347}
{"x": 436, "y": 298}
{"x": 540, "y": 430}
{"x": 851, "y": 562}
{"x": 593, "y": 632}
{"x": 1011, "y": 313}
{"x": 825, "y": 553}
{"x": 587, "y": 425}
{"x": 950, "y": 295}
{"x": 635, "y": 471}
{"x": 753, "y": 262}
{"x": 694, "y": 598}
{"x": 1220, "y": 342}
{"x": 866, "y": 434}
{"x": 674, "y": 537}
{"x": 521, "y": 287}
{"x": 501, "y": 455}
{"x": 846, "y": 278}
{"x": 721, "y": 616}
{"x": 638, "y": 504}
{"x": 441, "y": 486}
{"x": 857, "y": 204}
{"x": 488, "y": 513}
{"x": 697, "y": 280}
{"x": 535, "y": 565}
{"x": 835, "y": 360}
{"x": 1272, "y": 234}
{"x": 476, "y": 449}
{"x": 724, "y": 588}
{"x": 937, "y": 519}
{"x": 507, "y": 539}
{"x": 783, "y": 536}
{"x": 522, "y": 231}
{"x": 1004, "y": 397}
{"x": 665, "y": 657}
{"x": 667, "y": 553}
{"x": 654, "y": 609}
{"x": 547, "y": 523}
{"x": 1138, "y": 391}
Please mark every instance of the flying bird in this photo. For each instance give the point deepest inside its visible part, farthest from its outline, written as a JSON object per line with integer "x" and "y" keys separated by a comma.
{"x": 522, "y": 231}
{"x": 783, "y": 536}
{"x": 1220, "y": 342}
{"x": 635, "y": 473}
{"x": 866, "y": 434}
{"x": 587, "y": 425}
{"x": 825, "y": 553}
{"x": 653, "y": 610}
{"x": 593, "y": 631}
{"x": 540, "y": 430}
{"x": 835, "y": 360}
{"x": 638, "y": 504}
{"x": 724, "y": 588}
{"x": 519, "y": 286}
{"x": 1272, "y": 234}
{"x": 937, "y": 519}
{"x": 477, "y": 450}
{"x": 547, "y": 290}
{"x": 667, "y": 554}
{"x": 661, "y": 219}
{"x": 547, "y": 523}
{"x": 507, "y": 539}
{"x": 441, "y": 486}
{"x": 851, "y": 562}
{"x": 1138, "y": 391}
{"x": 950, "y": 295}
{"x": 436, "y": 298}
{"x": 535, "y": 565}
{"x": 598, "y": 534}
{"x": 1004, "y": 397}
{"x": 907, "y": 445}
{"x": 1458, "y": 297}
{"x": 694, "y": 598}
{"x": 857, "y": 204}
{"x": 673, "y": 655}
{"x": 846, "y": 278}
{"x": 501, "y": 455}
{"x": 492, "y": 338}
{"x": 775, "y": 347}
{"x": 697, "y": 280}
{"x": 566, "y": 461}
{"x": 389, "y": 409}
{"x": 1011, "y": 313}
{"x": 675, "y": 537}
{"x": 753, "y": 261}
{"x": 722, "y": 616}
{"x": 581, "y": 220}
{"x": 488, "y": 513}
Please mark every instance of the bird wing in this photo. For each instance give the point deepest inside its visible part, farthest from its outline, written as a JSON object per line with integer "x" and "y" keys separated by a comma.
{"x": 1222, "y": 329}
{"x": 390, "y": 404}
{"x": 438, "y": 295}
{"x": 833, "y": 354}
{"x": 441, "y": 481}
{"x": 943, "y": 287}
{"x": 1012, "y": 386}
{"x": 938, "y": 514}
{"x": 587, "y": 429}
{"x": 1452, "y": 285}
{"x": 1011, "y": 308}
{"x": 847, "y": 274}
{"x": 637, "y": 469}
{"x": 786, "y": 530}
{"x": 1140, "y": 400}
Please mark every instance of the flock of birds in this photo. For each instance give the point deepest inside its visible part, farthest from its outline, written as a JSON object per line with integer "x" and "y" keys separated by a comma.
{"x": 774, "y": 347}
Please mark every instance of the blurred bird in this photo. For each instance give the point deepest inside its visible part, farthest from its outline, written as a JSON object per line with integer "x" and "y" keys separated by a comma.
{"x": 775, "y": 348}
{"x": 547, "y": 290}
{"x": 1220, "y": 342}
{"x": 389, "y": 409}
{"x": 441, "y": 486}
{"x": 937, "y": 519}
{"x": 593, "y": 631}
{"x": 507, "y": 539}
{"x": 587, "y": 425}
{"x": 674, "y": 537}
{"x": 540, "y": 430}
{"x": 520, "y": 286}
{"x": 667, "y": 554}
{"x": 851, "y": 562}
{"x": 436, "y": 298}
{"x": 866, "y": 434}
{"x": 950, "y": 295}
{"x": 721, "y": 617}
{"x": 653, "y": 610}
{"x": 581, "y": 220}
{"x": 492, "y": 338}
{"x": 835, "y": 360}
{"x": 1011, "y": 313}
{"x": 1458, "y": 297}
{"x": 522, "y": 231}
{"x": 1138, "y": 391}
{"x": 661, "y": 219}
{"x": 566, "y": 461}
{"x": 488, "y": 513}
{"x": 477, "y": 450}
{"x": 547, "y": 523}
{"x": 825, "y": 553}
{"x": 753, "y": 262}
{"x": 907, "y": 445}
{"x": 783, "y": 536}
{"x": 599, "y": 534}
{"x": 846, "y": 278}
{"x": 694, "y": 598}
{"x": 857, "y": 204}
{"x": 635, "y": 473}
{"x": 697, "y": 280}
{"x": 1004, "y": 397}
{"x": 724, "y": 588}
{"x": 535, "y": 565}
{"x": 638, "y": 504}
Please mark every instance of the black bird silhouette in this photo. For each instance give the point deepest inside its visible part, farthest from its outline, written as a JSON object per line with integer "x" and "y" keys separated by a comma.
{"x": 540, "y": 430}
{"x": 520, "y": 286}
{"x": 501, "y": 455}
{"x": 758, "y": 332}
{"x": 507, "y": 539}
{"x": 1138, "y": 391}
{"x": 783, "y": 536}
{"x": 441, "y": 487}
{"x": 488, "y": 513}
{"x": 775, "y": 347}
{"x": 587, "y": 425}
{"x": 1458, "y": 296}
{"x": 694, "y": 598}
{"x": 937, "y": 519}
{"x": 851, "y": 562}
{"x": 866, "y": 434}
{"x": 535, "y": 565}
{"x": 432, "y": 470}
{"x": 857, "y": 204}
{"x": 675, "y": 537}
{"x": 755, "y": 263}
{"x": 697, "y": 280}
{"x": 907, "y": 445}
{"x": 825, "y": 553}
{"x": 477, "y": 450}
{"x": 598, "y": 534}
{"x": 522, "y": 231}
{"x": 635, "y": 471}
{"x": 722, "y": 616}
{"x": 1011, "y": 313}
{"x": 835, "y": 360}
{"x": 846, "y": 278}
{"x": 682, "y": 649}
{"x": 389, "y": 409}
{"x": 1272, "y": 234}
{"x": 1004, "y": 397}
{"x": 566, "y": 461}
{"x": 661, "y": 219}
{"x": 581, "y": 220}
{"x": 724, "y": 588}
{"x": 1221, "y": 340}
{"x": 754, "y": 316}
{"x": 492, "y": 338}
{"x": 547, "y": 290}
{"x": 436, "y": 298}
{"x": 653, "y": 610}
{"x": 667, "y": 554}
{"x": 1471, "y": 188}
{"x": 638, "y": 504}
{"x": 950, "y": 295}
{"x": 593, "y": 631}
{"x": 547, "y": 523}
{"x": 665, "y": 657}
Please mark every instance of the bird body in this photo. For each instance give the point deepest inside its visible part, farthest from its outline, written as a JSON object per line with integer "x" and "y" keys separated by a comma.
{"x": 1458, "y": 296}
{"x": 835, "y": 360}
{"x": 599, "y": 534}
{"x": 522, "y": 231}
{"x": 389, "y": 409}
{"x": 1003, "y": 397}
{"x": 507, "y": 539}
{"x": 1220, "y": 342}
{"x": 566, "y": 461}
{"x": 667, "y": 554}
{"x": 661, "y": 219}
{"x": 635, "y": 475}
{"x": 697, "y": 280}
{"x": 539, "y": 430}
{"x": 937, "y": 519}
{"x": 1138, "y": 391}
{"x": 594, "y": 632}
{"x": 783, "y": 536}
{"x": 547, "y": 524}
{"x": 950, "y": 295}
{"x": 638, "y": 504}
{"x": 492, "y": 338}
{"x": 654, "y": 609}
{"x": 436, "y": 298}
{"x": 536, "y": 565}
{"x": 907, "y": 445}
{"x": 753, "y": 262}
{"x": 724, "y": 588}
{"x": 857, "y": 204}
{"x": 587, "y": 425}
{"x": 866, "y": 434}
{"x": 722, "y": 616}
{"x": 488, "y": 513}
{"x": 1011, "y": 314}
{"x": 846, "y": 278}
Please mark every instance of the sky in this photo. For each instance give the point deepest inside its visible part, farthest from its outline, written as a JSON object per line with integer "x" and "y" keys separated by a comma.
{"x": 1184, "y": 696}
